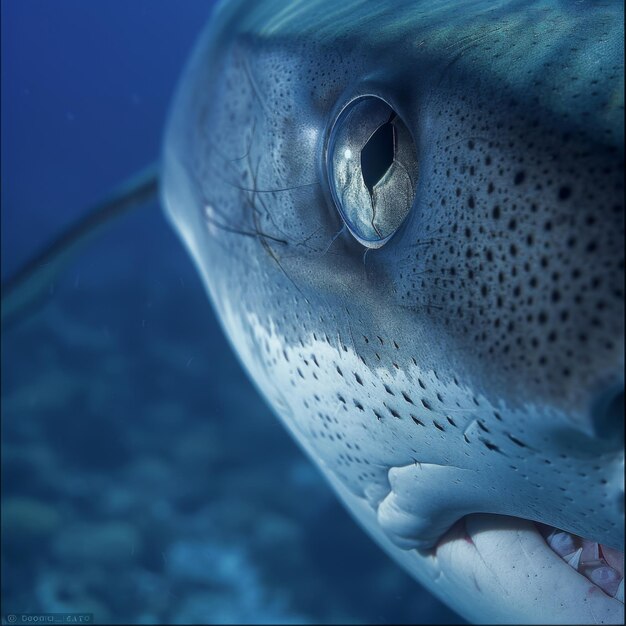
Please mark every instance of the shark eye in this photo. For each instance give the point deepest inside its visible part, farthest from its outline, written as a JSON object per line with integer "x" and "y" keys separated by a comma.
{"x": 372, "y": 169}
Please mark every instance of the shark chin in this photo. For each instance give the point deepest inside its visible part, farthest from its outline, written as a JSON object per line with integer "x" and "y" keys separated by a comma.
{"x": 511, "y": 560}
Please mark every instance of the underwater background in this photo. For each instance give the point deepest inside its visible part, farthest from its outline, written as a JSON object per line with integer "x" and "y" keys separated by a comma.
{"x": 144, "y": 480}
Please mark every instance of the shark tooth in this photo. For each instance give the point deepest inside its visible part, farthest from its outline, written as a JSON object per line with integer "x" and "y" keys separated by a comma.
{"x": 620, "y": 592}
{"x": 562, "y": 543}
{"x": 605, "y": 577}
{"x": 574, "y": 558}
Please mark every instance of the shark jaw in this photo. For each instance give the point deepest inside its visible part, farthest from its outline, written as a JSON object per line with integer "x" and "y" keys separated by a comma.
{"x": 498, "y": 569}
{"x": 530, "y": 572}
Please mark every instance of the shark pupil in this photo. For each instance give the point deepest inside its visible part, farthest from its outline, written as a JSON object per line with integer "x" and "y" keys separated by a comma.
{"x": 377, "y": 155}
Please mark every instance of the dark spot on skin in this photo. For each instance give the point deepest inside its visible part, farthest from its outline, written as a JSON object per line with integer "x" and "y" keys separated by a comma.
{"x": 564, "y": 193}
{"x": 516, "y": 441}
{"x": 417, "y": 421}
{"x": 407, "y": 398}
{"x": 490, "y": 446}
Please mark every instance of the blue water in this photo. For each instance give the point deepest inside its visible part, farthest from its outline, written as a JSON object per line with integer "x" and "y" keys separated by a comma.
{"x": 144, "y": 480}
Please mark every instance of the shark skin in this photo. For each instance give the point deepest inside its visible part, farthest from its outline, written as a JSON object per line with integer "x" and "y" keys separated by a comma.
{"x": 460, "y": 386}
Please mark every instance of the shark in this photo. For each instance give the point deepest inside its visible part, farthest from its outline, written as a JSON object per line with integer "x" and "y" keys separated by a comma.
{"x": 409, "y": 218}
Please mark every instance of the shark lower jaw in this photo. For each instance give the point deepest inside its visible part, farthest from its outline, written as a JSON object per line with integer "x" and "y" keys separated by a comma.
{"x": 534, "y": 572}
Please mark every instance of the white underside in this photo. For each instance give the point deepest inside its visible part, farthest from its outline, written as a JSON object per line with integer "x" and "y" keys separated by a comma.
{"x": 507, "y": 573}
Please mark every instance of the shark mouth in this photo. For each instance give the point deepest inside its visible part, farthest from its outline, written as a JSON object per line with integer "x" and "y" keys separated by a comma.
{"x": 601, "y": 565}
{"x": 569, "y": 579}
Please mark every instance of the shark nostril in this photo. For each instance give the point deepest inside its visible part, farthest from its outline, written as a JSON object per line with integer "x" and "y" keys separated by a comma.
{"x": 608, "y": 416}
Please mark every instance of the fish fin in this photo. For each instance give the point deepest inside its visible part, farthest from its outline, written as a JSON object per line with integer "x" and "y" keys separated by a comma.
{"x": 25, "y": 291}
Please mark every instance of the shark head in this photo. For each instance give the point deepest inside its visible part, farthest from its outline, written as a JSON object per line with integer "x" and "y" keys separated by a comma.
{"x": 409, "y": 218}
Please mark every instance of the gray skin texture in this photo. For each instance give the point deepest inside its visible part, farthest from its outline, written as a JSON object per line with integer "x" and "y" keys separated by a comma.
{"x": 474, "y": 364}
